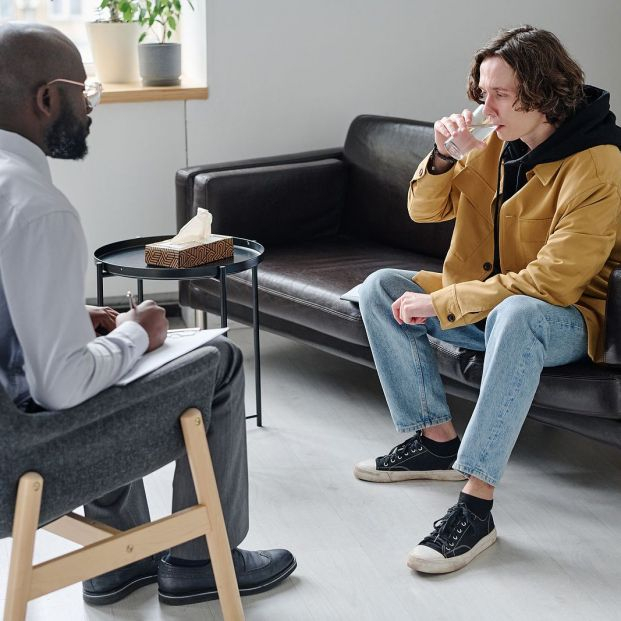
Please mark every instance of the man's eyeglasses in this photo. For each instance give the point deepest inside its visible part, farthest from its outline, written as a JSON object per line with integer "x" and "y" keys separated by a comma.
{"x": 92, "y": 90}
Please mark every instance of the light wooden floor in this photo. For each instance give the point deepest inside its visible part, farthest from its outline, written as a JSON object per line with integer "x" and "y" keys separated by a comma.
{"x": 557, "y": 513}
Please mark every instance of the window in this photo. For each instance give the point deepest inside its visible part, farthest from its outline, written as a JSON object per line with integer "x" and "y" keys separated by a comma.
{"x": 66, "y": 15}
{"x": 65, "y": 9}
{"x": 6, "y": 9}
{"x": 70, "y": 16}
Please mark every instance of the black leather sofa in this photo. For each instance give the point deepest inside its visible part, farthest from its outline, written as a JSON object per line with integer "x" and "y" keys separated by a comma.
{"x": 328, "y": 219}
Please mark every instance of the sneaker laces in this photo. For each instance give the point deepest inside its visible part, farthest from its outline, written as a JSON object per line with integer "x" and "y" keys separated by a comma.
{"x": 411, "y": 445}
{"x": 447, "y": 529}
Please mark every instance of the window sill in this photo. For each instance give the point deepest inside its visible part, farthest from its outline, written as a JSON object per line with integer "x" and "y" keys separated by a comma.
{"x": 136, "y": 92}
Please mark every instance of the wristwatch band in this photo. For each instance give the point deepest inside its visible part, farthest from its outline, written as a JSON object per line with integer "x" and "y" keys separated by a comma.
{"x": 446, "y": 158}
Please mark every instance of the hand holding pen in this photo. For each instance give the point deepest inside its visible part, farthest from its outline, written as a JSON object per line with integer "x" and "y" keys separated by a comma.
{"x": 148, "y": 315}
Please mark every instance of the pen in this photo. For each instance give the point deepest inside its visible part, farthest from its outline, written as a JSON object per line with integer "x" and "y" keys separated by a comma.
{"x": 131, "y": 300}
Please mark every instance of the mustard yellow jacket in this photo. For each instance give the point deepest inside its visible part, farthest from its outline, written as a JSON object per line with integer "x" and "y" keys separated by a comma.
{"x": 559, "y": 235}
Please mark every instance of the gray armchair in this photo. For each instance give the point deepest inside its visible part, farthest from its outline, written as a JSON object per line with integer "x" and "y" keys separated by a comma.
{"x": 53, "y": 462}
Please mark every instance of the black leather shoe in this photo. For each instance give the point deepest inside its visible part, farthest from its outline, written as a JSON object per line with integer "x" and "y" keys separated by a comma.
{"x": 256, "y": 572}
{"x": 115, "y": 585}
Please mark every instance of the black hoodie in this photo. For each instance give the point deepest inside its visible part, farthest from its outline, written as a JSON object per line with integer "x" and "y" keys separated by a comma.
{"x": 592, "y": 125}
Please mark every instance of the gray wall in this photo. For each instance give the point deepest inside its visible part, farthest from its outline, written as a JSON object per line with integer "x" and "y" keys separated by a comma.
{"x": 288, "y": 76}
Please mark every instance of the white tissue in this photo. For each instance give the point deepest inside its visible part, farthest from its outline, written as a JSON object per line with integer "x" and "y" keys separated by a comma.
{"x": 197, "y": 230}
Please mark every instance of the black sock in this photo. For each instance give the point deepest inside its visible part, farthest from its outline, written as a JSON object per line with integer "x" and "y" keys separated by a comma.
{"x": 185, "y": 562}
{"x": 444, "y": 449}
{"x": 479, "y": 506}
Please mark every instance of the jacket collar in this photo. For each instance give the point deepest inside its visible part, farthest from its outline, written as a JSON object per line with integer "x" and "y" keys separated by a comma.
{"x": 545, "y": 172}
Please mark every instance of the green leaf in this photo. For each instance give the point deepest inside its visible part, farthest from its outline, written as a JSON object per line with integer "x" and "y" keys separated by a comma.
{"x": 142, "y": 36}
{"x": 171, "y": 22}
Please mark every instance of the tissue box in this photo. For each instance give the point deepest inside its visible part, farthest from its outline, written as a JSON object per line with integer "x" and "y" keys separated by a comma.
{"x": 188, "y": 254}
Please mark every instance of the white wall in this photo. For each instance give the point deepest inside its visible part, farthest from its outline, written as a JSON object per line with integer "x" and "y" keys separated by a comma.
{"x": 125, "y": 186}
{"x": 287, "y": 76}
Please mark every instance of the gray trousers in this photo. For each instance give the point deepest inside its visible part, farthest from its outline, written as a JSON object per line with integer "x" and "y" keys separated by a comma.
{"x": 127, "y": 506}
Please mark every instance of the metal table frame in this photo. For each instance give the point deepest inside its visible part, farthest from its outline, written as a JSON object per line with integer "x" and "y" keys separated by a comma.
{"x": 126, "y": 259}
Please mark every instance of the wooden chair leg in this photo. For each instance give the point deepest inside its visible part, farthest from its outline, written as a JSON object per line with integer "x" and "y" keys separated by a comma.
{"x": 25, "y": 523}
{"x": 207, "y": 494}
{"x": 26, "y": 519}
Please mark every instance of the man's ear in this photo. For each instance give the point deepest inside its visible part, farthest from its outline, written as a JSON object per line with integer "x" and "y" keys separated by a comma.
{"x": 43, "y": 101}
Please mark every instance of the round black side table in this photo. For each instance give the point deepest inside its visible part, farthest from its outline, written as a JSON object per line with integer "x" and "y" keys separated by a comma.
{"x": 126, "y": 259}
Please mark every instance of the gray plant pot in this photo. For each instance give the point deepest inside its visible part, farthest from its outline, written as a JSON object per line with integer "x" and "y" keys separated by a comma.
{"x": 160, "y": 63}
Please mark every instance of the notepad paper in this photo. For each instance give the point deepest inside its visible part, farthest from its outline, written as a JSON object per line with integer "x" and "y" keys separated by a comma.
{"x": 177, "y": 343}
{"x": 353, "y": 295}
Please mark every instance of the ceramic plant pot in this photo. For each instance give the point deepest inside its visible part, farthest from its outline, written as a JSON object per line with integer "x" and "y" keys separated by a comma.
{"x": 160, "y": 63}
{"x": 114, "y": 47}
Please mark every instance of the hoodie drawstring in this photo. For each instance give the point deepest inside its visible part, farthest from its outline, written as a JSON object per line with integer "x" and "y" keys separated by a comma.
{"x": 496, "y": 269}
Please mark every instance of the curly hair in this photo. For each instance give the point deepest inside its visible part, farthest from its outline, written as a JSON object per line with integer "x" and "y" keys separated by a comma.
{"x": 548, "y": 79}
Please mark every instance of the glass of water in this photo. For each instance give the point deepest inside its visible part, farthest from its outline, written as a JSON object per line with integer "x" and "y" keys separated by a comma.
{"x": 480, "y": 128}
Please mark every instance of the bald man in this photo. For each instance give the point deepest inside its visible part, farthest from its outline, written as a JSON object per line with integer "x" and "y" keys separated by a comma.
{"x": 50, "y": 355}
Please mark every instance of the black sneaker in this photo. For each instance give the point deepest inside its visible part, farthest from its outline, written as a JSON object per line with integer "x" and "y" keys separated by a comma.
{"x": 456, "y": 539}
{"x": 409, "y": 460}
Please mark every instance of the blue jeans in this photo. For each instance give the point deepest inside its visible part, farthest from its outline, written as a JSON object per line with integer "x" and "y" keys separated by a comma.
{"x": 522, "y": 335}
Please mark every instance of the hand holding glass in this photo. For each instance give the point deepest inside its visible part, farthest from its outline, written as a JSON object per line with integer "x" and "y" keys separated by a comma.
{"x": 480, "y": 129}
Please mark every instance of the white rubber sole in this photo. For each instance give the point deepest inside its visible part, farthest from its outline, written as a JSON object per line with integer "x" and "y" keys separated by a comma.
{"x": 366, "y": 471}
{"x": 442, "y": 565}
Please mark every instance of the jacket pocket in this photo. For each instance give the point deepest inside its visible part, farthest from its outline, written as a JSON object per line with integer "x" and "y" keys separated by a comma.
{"x": 534, "y": 231}
{"x": 478, "y": 192}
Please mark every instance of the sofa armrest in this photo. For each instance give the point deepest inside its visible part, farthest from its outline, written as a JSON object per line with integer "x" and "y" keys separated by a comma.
{"x": 184, "y": 179}
{"x": 612, "y": 335}
{"x": 275, "y": 205}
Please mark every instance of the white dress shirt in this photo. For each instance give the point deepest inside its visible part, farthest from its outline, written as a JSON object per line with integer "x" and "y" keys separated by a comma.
{"x": 48, "y": 348}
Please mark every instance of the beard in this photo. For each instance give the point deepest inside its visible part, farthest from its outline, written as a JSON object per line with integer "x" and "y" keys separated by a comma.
{"x": 65, "y": 139}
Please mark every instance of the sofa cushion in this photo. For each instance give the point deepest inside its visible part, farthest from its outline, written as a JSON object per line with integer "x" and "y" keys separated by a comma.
{"x": 276, "y": 204}
{"x": 306, "y": 281}
{"x": 382, "y": 154}
{"x": 581, "y": 387}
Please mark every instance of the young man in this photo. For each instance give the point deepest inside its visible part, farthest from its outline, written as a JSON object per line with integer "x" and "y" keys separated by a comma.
{"x": 49, "y": 356}
{"x": 536, "y": 236}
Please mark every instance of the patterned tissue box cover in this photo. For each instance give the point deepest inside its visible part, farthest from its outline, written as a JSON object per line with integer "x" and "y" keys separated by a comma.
{"x": 188, "y": 254}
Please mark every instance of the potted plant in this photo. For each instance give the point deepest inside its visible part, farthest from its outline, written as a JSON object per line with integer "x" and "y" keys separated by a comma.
{"x": 113, "y": 40}
{"x": 160, "y": 62}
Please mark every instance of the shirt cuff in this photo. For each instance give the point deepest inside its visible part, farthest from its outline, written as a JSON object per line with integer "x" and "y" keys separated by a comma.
{"x": 136, "y": 334}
